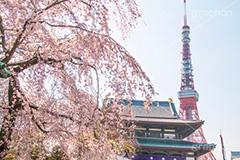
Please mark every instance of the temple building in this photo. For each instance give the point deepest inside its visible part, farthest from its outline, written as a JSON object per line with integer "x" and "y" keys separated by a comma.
{"x": 235, "y": 155}
{"x": 160, "y": 132}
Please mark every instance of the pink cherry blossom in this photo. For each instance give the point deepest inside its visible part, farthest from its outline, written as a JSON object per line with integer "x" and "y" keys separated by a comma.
{"x": 63, "y": 62}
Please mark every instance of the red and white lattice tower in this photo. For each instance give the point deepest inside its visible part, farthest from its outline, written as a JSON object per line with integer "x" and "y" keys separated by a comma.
{"x": 187, "y": 95}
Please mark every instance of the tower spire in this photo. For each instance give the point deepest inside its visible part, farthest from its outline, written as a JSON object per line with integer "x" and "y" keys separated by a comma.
{"x": 185, "y": 13}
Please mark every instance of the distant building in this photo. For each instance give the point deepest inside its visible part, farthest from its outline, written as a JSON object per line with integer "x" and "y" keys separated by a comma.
{"x": 160, "y": 132}
{"x": 235, "y": 155}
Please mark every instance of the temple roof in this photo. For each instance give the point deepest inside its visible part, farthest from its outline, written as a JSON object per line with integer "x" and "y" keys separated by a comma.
{"x": 158, "y": 109}
{"x": 159, "y": 113}
{"x": 176, "y": 147}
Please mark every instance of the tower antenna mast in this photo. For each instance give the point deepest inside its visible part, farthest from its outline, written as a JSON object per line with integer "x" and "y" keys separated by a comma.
{"x": 185, "y": 13}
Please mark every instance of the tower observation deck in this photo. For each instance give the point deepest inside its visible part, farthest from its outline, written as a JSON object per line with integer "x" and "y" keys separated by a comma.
{"x": 187, "y": 95}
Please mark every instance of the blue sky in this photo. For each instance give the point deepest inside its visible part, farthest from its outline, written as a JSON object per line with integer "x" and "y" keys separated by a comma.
{"x": 215, "y": 47}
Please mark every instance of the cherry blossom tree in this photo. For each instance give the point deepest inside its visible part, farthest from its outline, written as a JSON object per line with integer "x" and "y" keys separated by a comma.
{"x": 57, "y": 61}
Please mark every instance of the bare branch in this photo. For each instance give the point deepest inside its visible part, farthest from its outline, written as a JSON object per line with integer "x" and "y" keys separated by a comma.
{"x": 20, "y": 66}
{"x": 65, "y": 26}
{"x": 52, "y": 113}
{"x": 54, "y": 4}
{"x": 66, "y": 7}
{"x": 38, "y": 125}
{"x": 33, "y": 5}
{"x": 2, "y": 35}
{"x": 4, "y": 107}
{"x": 24, "y": 65}
{"x": 87, "y": 4}
{"x": 9, "y": 54}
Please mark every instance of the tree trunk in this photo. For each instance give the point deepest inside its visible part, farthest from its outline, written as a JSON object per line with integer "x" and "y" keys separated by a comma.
{"x": 9, "y": 119}
{"x": 6, "y": 131}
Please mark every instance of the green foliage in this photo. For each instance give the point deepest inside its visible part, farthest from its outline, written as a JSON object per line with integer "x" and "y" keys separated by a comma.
{"x": 10, "y": 156}
{"x": 56, "y": 154}
{"x": 35, "y": 153}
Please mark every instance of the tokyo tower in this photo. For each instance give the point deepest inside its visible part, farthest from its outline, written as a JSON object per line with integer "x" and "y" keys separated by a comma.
{"x": 187, "y": 95}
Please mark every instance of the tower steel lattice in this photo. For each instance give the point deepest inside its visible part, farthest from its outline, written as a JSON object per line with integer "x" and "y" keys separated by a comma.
{"x": 187, "y": 95}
